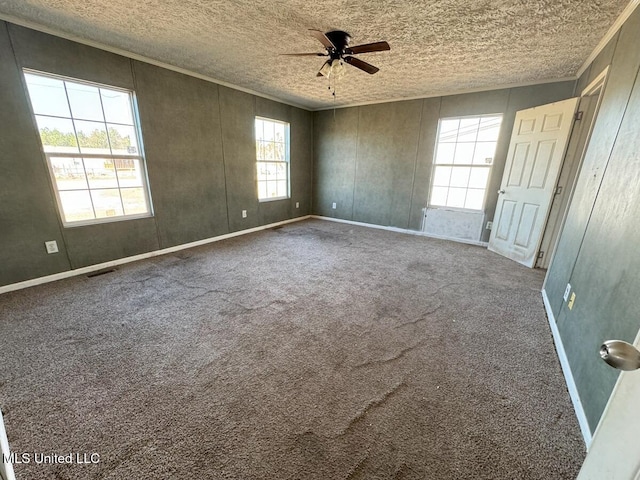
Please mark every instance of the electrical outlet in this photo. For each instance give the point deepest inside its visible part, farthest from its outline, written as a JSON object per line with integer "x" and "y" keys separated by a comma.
{"x": 52, "y": 246}
{"x": 244, "y": 214}
{"x": 489, "y": 225}
{"x": 567, "y": 291}
{"x": 334, "y": 205}
{"x": 572, "y": 300}
{"x": 297, "y": 204}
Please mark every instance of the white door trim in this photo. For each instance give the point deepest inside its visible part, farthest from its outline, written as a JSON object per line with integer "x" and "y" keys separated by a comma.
{"x": 596, "y": 84}
{"x": 600, "y": 82}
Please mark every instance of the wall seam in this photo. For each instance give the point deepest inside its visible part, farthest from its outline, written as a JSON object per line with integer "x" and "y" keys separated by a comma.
{"x": 155, "y": 217}
{"x": 355, "y": 168}
{"x": 415, "y": 164}
{"x": 42, "y": 162}
{"x": 312, "y": 162}
{"x": 431, "y": 164}
{"x": 224, "y": 160}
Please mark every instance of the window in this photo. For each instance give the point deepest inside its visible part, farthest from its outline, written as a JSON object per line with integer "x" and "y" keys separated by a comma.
{"x": 462, "y": 163}
{"x": 91, "y": 144}
{"x": 272, "y": 154}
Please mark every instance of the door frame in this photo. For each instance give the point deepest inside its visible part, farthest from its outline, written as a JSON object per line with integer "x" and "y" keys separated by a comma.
{"x": 572, "y": 161}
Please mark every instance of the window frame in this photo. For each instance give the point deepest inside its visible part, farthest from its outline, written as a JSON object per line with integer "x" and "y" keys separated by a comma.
{"x": 434, "y": 164}
{"x": 144, "y": 175}
{"x": 286, "y": 162}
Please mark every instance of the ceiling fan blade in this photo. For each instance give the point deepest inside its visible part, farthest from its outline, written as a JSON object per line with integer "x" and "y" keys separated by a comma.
{"x": 305, "y": 54}
{"x": 356, "y": 62}
{"x": 369, "y": 47}
{"x": 323, "y": 38}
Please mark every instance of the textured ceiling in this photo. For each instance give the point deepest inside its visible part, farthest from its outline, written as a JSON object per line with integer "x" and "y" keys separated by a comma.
{"x": 437, "y": 47}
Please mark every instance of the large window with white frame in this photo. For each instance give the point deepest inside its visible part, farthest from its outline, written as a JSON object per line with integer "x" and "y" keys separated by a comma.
{"x": 272, "y": 155}
{"x": 464, "y": 154}
{"x": 92, "y": 146}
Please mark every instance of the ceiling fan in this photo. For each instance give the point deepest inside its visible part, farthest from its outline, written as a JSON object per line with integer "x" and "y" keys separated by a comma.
{"x": 336, "y": 42}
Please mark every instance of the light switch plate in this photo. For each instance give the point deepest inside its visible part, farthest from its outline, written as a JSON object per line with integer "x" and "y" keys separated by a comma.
{"x": 567, "y": 291}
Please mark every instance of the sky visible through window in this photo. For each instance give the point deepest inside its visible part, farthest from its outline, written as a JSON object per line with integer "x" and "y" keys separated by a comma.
{"x": 89, "y": 137}
{"x": 272, "y": 139}
{"x": 464, "y": 155}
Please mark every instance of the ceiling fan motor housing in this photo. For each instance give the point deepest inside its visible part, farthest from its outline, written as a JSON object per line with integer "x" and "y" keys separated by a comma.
{"x": 340, "y": 40}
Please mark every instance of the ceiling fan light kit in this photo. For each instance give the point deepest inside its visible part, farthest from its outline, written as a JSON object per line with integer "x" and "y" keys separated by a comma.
{"x": 332, "y": 69}
{"x": 336, "y": 43}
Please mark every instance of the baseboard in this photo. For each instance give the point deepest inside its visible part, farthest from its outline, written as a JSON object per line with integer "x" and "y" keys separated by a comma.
{"x": 120, "y": 261}
{"x": 401, "y": 230}
{"x": 568, "y": 375}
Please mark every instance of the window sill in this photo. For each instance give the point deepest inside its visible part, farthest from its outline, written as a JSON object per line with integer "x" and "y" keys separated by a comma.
{"x": 274, "y": 199}
{"x": 456, "y": 209}
{"x": 100, "y": 221}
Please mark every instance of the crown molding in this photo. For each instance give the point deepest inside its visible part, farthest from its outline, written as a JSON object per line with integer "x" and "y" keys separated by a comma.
{"x": 454, "y": 92}
{"x": 141, "y": 58}
{"x": 624, "y": 16}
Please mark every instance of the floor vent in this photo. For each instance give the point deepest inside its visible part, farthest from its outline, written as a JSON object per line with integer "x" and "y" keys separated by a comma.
{"x": 101, "y": 272}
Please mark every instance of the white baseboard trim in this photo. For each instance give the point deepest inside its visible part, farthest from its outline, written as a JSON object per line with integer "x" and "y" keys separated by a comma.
{"x": 92, "y": 268}
{"x": 568, "y": 375}
{"x": 402, "y": 230}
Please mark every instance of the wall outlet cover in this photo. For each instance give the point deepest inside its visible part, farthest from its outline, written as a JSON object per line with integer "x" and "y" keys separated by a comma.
{"x": 489, "y": 225}
{"x": 244, "y": 214}
{"x": 297, "y": 204}
{"x": 334, "y": 205}
{"x": 51, "y": 246}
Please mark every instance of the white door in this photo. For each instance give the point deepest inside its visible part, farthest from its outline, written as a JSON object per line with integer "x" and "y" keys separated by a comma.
{"x": 538, "y": 143}
{"x": 615, "y": 450}
{"x": 6, "y": 469}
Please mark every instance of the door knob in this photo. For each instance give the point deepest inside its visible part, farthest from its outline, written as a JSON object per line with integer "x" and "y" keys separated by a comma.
{"x": 620, "y": 354}
{"x": 500, "y": 191}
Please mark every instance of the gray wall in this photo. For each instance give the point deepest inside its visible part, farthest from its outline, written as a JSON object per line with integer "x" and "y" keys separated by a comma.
{"x": 375, "y": 161}
{"x": 598, "y": 248}
{"x": 200, "y": 153}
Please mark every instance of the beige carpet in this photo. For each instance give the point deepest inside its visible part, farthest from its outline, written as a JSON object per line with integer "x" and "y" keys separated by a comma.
{"x": 315, "y": 351}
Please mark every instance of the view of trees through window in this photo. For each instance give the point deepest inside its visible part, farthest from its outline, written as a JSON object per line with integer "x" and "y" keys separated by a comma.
{"x": 463, "y": 159}
{"x": 96, "y": 139}
{"x": 89, "y": 137}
